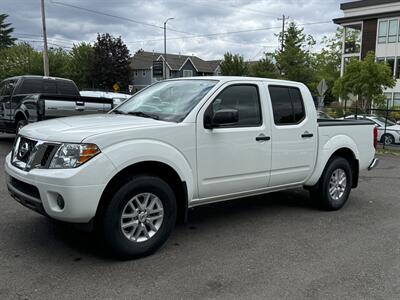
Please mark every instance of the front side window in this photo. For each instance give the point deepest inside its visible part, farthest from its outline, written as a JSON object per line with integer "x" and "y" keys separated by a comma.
{"x": 392, "y": 35}
{"x": 382, "y": 32}
{"x": 245, "y": 99}
{"x": 31, "y": 86}
{"x": 167, "y": 100}
{"x": 287, "y": 105}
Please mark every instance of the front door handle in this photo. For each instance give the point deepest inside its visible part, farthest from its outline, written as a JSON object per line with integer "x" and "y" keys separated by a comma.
{"x": 307, "y": 135}
{"x": 262, "y": 137}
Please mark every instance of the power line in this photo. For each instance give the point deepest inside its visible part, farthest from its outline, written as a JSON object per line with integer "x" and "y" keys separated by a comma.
{"x": 117, "y": 17}
{"x": 224, "y": 5}
{"x": 225, "y": 33}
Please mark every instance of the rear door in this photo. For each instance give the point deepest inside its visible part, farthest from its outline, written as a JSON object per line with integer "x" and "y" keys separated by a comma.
{"x": 294, "y": 132}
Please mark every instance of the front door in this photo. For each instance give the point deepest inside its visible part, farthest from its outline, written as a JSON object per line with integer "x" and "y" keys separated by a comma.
{"x": 235, "y": 157}
{"x": 6, "y": 90}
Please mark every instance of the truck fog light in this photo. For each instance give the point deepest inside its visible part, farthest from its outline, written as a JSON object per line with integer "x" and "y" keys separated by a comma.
{"x": 60, "y": 202}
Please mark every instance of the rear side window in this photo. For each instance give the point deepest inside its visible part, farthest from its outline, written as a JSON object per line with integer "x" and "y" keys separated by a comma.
{"x": 49, "y": 87}
{"x": 66, "y": 87}
{"x": 245, "y": 99}
{"x": 287, "y": 105}
{"x": 31, "y": 86}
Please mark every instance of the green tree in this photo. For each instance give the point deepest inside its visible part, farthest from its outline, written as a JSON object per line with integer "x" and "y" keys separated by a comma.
{"x": 110, "y": 62}
{"x": 20, "y": 59}
{"x": 233, "y": 65}
{"x": 294, "y": 60}
{"x": 326, "y": 63}
{"x": 264, "y": 68}
{"x": 364, "y": 78}
{"x": 5, "y": 33}
{"x": 81, "y": 64}
{"x": 59, "y": 60}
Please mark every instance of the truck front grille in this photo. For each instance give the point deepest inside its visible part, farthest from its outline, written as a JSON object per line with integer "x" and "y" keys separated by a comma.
{"x": 25, "y": 149}
{"x": 29, "y": 153}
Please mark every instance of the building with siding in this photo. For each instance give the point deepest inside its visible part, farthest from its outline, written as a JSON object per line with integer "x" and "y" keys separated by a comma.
{"x": 177, "y": 66}
{"x": 373, "y": 25}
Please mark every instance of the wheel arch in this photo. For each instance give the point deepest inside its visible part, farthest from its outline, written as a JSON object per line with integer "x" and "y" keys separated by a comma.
{"x": 155, "y": 168}
{"x": 347, "y": 153}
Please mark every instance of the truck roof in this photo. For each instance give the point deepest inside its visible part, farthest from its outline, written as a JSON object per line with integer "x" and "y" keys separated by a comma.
{"x": 238, "y": 78}
{"x": 38, "y": 77}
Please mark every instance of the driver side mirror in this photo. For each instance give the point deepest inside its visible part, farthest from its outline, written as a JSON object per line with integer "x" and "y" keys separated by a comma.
{"x": 221, "y": 117}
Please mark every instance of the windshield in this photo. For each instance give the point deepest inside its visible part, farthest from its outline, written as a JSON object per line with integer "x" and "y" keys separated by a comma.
{"x": 382, "y": 121}
{"x": 167, "y": 100}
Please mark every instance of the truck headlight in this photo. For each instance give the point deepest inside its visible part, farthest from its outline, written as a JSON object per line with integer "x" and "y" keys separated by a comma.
{"x": 73, "y": 155}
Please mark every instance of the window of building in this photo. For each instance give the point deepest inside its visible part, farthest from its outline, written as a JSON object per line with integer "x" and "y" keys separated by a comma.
{"x": 352, "y": 38}
{"x": 398, "y": 67}
{"x": 392, "y": 35}
{"x": 287, "y": 105}
{"x": 245, "y": 99}
{"x": 396, "y": 100}
{"x": 388, "y": 97}
{"x": 187, "y": 73}
{"x": 144, "y": 73}
{"x": 382, "y": 32}
{"x": 380, "y": 60}
{"x": 391, "y": 62}
{"x": 136, "y": 73}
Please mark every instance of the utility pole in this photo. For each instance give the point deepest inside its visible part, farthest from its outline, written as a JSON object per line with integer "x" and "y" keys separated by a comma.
{"x": 284, "y": 18}
{"x": 45, "y": 50}
{"x": 165, "y": 48}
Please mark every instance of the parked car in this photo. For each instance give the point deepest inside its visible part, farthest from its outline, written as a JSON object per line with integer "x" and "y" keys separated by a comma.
{"x": 179, "y": 144}
{"x": 28, "y": 99}
{"x": 117, "y": 98}
{"x": 388, "y": 135}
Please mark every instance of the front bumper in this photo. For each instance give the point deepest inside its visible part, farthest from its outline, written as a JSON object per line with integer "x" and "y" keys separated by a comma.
{"x": 80, "y": 188}
{"x": 373, "y": 164}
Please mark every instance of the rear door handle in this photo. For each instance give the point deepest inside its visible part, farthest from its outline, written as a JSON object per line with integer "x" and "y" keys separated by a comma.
{"x": 307, "y": 135}
{"x": 262, "y": 137}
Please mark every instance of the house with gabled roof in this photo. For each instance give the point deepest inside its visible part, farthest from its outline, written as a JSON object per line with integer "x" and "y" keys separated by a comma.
{"x": 177, "y": 65}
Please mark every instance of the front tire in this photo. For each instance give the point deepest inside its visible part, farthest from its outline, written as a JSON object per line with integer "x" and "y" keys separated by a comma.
{"x": 140, "y": 217}
{"x": 333, "y": 189}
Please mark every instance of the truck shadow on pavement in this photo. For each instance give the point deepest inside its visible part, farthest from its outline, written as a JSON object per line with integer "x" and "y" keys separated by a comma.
{"x": 205, "y": 222}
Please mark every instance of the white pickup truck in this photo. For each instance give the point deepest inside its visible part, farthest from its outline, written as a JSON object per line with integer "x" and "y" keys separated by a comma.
{"x": 134, "y": 172}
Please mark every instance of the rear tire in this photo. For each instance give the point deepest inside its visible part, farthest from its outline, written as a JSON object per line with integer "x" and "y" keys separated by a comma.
{"x": 333, "y": 188}
{"x": 139, "y": 218}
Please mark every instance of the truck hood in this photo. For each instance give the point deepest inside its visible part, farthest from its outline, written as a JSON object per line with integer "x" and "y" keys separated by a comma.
{"x": 76, "y": 129}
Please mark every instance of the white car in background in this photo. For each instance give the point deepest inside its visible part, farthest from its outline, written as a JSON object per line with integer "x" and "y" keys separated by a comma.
{"x": 390, "y": 135}
{"x": 118, "y": 98}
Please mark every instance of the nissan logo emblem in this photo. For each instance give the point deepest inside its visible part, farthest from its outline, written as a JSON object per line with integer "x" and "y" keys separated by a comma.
{"x": 23, "y": 149}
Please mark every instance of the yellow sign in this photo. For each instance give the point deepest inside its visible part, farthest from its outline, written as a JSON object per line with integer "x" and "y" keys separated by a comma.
{"x": 116, "y": 87}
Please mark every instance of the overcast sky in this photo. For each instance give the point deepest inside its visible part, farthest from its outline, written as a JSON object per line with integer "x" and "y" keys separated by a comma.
{"x": 139, "y": 22}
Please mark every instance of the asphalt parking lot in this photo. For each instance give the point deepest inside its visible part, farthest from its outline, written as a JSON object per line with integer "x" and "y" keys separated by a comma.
{"x": 267, "y": 247}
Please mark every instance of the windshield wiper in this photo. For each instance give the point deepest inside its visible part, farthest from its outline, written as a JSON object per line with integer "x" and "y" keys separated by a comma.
{"x": 118, "y": 112}
{"x": 143, "y": 114}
